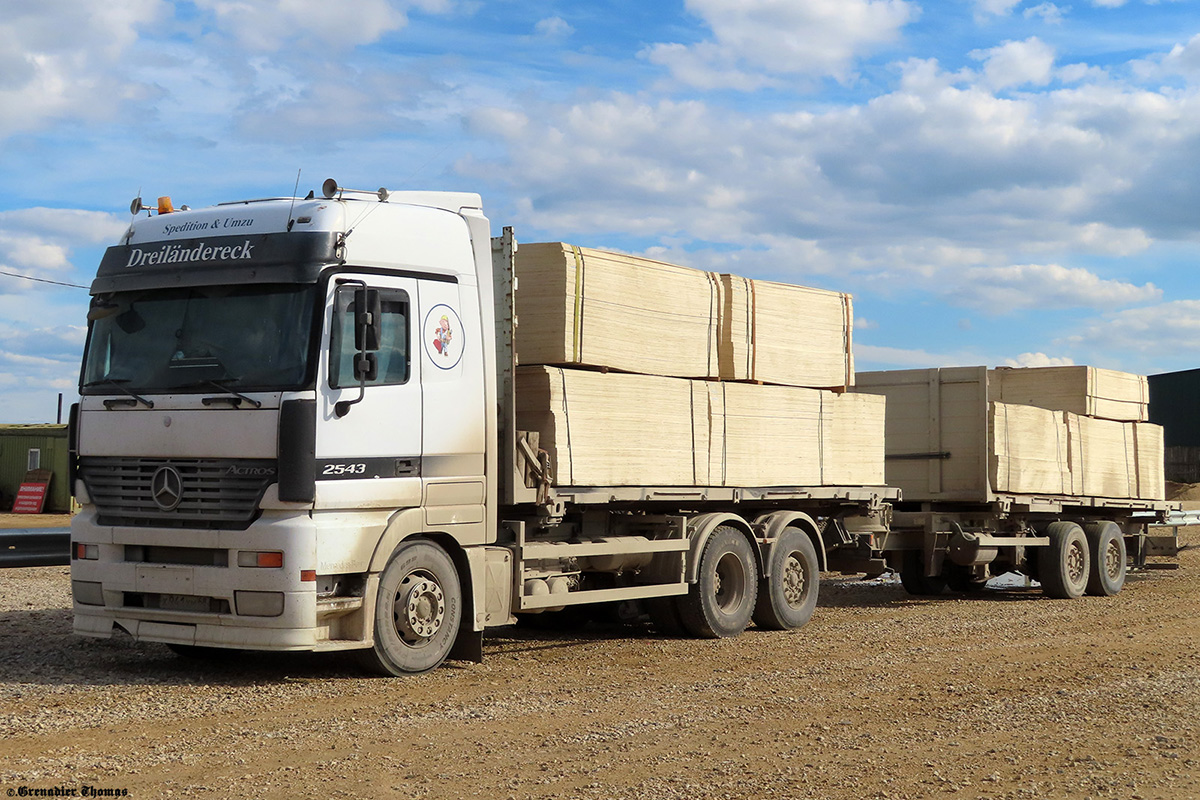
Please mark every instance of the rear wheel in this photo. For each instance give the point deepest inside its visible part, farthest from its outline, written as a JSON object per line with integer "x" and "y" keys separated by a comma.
{"x": 913, "y": 577}
{"x": 417, "y": 611}
{"x": 1106, "y": 546}
{"x": 787, "y": 596}
{"x": 721, "y": 601}
{"x": 1063, "y": 568}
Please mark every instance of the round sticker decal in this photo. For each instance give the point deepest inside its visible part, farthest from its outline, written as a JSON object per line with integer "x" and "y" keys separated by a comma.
{"x": 443, "y": 336}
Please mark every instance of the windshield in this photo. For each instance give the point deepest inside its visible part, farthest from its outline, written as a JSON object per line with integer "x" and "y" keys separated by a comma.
{"x": 245, "y": 337}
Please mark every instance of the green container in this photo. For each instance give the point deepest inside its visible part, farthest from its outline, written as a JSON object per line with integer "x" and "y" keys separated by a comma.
{"x": 25, "y": 447}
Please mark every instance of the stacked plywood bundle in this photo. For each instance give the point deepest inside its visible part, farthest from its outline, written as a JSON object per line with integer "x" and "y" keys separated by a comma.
{"x": 1087, "y": 391}
{"x": 615, "y": 429}
{"x": 577, "y": 306}
{"x": 1028, "y": 452}
{"x": 949, "y": 438}
{"x": 638, "y": 430}
{"x": 784, "y": 334}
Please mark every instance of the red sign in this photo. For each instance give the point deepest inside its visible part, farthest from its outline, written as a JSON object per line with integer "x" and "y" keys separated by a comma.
{"x": 31, "y": 497}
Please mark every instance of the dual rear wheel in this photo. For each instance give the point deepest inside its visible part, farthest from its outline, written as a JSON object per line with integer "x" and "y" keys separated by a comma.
{"x": 729, "y": 593}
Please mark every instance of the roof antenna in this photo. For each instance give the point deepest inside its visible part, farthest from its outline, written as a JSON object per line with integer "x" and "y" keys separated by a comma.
{"x": 295, "y": 189}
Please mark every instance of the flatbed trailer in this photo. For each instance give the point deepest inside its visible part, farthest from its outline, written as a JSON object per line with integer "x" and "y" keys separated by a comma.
{"x": 951, "y": 528}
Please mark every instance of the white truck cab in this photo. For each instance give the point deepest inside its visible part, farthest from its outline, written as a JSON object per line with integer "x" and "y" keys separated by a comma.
{"x": 240, "y": 448}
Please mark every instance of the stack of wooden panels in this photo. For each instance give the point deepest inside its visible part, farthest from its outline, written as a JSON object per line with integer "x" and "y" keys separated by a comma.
{"x": 583, "y": 307}
{"x": 947, "y": 440}
{"x": 615, "y": 429}
{"x": 1150, "y": 454}
{"x": 1116, "y": 459}
{"x": 578, "y": 306}
{"x": 1028, "y": 452}
{"x": 784, "y": 334}
{"x": 852, "y": 439}
{"x": 636, "y": 430}
{"x": 765, "y": 435}
{"x": 1087, "y": 391}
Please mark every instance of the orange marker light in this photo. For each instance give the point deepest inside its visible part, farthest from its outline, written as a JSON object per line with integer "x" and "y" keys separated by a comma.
{"x": 270, "y": 559}
{"x": 308, "y": 575}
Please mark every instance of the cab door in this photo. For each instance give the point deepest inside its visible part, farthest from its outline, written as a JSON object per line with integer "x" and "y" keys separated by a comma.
{"x": 369, "y": 440}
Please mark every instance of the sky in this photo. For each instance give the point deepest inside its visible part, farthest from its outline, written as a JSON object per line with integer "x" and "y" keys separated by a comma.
{"x": 998, "y": 182}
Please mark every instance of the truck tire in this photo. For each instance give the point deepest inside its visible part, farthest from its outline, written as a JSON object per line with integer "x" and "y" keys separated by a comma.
{"x": 913, "y": 577}
{"x": 1064, "y": 566}
{"x": 417, "y": 611}
{"x": 720, "y": 603}
{"x": 1106, "y": 546}
{"x": 787, "y": 596}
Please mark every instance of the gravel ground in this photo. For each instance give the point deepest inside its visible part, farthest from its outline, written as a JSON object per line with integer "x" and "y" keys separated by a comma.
{"x": 1004, "y": 696}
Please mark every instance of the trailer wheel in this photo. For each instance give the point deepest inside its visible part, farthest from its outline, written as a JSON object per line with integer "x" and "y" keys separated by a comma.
{"x": 1106, "y": 545}
{"x": 787, "y": 596}
{"x": 1063, "y": 569}
{"x": 913, "y": 577}
{"x": 720, "y": 603}
{"x": 417, "y": 611}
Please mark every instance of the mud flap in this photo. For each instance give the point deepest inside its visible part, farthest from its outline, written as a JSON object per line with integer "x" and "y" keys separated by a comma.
{"x": 468, "y": 647}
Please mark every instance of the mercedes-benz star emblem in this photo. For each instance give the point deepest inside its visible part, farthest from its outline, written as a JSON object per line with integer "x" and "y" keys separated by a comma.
{"x": 166, "y": 488}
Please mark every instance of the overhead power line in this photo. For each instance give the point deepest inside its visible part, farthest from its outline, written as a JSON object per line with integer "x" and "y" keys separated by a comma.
{"x": 41, "y": 280}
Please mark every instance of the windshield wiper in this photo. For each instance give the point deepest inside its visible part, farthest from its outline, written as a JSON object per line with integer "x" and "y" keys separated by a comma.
{"x": 117, "y": 384}
{"x": 237, "y": 398}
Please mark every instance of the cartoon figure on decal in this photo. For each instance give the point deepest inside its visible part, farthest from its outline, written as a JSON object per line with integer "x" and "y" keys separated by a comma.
{"x": 444, "y": 342}
{"x": 443, "y": 333}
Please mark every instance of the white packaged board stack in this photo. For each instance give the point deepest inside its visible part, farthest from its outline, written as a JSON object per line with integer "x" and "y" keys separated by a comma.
{"x": 784, "y": 334}
{"x": 947, "y": 440}
{"x": 1088, "y": 391}
{"x": 579, "y": 306}
{"x": 852, "y": 439}
{"x": 1028, "y": 452}
{"x": 1151, "y": 473}
{"x": 765, "y": 435}
{"x": 617, "y": 429}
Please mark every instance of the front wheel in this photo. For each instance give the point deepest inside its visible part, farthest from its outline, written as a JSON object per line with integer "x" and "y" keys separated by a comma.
{"x": 1063, "y": 568}
{"x": 720, "y": 603}
{"x": 417, "y": 611}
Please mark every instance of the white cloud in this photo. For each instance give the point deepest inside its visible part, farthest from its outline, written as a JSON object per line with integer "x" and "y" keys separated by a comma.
{"x": 1049, "y": 12}
{"x": 266, "y": 25}
{"x": 38, "y": 243}
{"x": 755, "y": 41}
{"x": 1017, "y": 63}
{"x": 997, "y": 8}
{"x": 999, "y": 290}
{"x": 1155, "y": 331}
{"x": 1038, "y": 360}
{"x": 873, "y": 357}
{"x": 62, "y": 59}
{"x": 553, "y": 28}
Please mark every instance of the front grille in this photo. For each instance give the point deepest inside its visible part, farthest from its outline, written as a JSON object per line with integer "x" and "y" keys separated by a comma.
{"x": 215, "y": 493}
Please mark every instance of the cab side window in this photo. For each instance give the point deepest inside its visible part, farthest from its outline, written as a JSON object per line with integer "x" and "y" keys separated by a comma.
{"x": 392, "y": 357}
